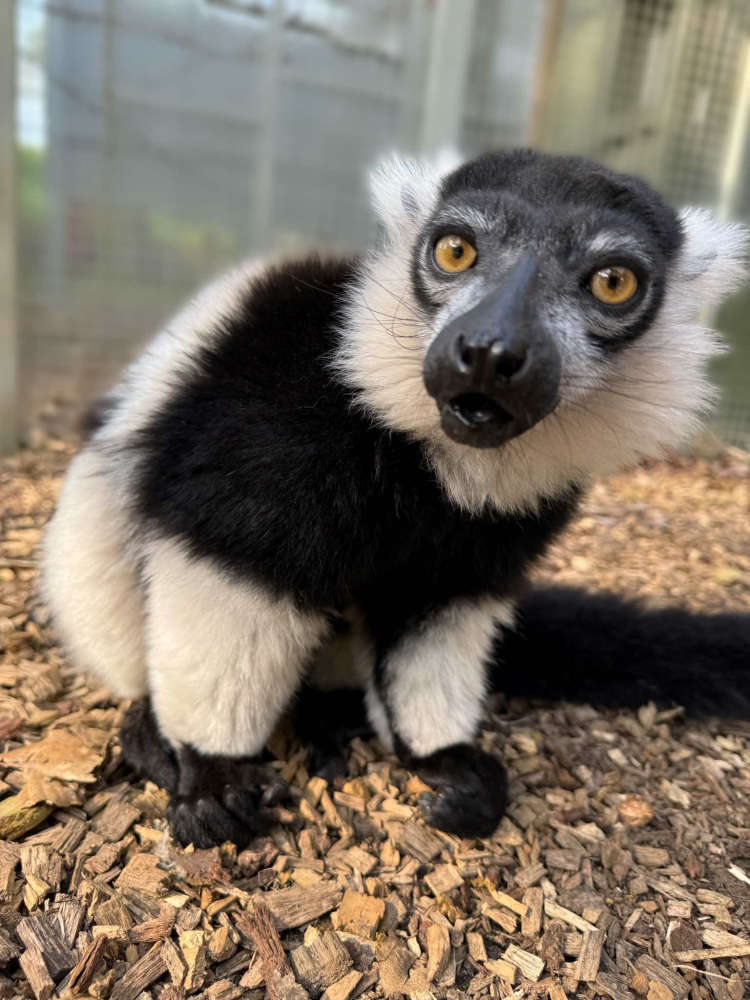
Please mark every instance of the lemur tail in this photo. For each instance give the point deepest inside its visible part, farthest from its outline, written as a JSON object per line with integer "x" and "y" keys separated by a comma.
{"x": 609, "y": 651}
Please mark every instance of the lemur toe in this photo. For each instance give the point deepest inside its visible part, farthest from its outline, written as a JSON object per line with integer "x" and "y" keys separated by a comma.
{"x": 470, "y": 790}
{"x": 145, "y": 750}
{"x": 205, "y": 820}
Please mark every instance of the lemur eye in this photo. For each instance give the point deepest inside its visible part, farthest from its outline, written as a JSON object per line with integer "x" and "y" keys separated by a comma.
{"x": 613, "y": 285}
{"x": 454, "y": 253}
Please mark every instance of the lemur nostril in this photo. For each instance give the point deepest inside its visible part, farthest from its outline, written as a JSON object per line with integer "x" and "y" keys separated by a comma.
{"x": 506, "y": 362}
{"x": 508, "y": 365}
{"x": 464, "y": 354}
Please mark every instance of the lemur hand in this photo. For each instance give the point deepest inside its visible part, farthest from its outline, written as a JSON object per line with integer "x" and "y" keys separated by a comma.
{"x": 470, "y": 790}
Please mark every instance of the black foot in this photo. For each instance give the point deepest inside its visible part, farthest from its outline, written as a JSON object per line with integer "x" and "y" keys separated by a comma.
{"x": 212, "y": 799}
{"x": 470, "y": 787}
{"x": 145, "y": 749}
{"x": 204, "y": 819}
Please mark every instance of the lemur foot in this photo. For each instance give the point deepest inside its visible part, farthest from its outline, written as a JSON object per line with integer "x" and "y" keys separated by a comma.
{"x": 204, "y": 818}
{"x": 470, "y": 787}
{"x": 212, "y": 799}
{"x": 145, "y": 749}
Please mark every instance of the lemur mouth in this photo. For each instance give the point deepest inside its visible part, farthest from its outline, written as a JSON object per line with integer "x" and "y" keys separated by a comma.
{"x": 474, "y": 409}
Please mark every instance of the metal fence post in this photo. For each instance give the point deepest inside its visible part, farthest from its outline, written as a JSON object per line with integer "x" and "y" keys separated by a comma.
{"x": 9, "y": 422}
{"x": 450, "y": 52}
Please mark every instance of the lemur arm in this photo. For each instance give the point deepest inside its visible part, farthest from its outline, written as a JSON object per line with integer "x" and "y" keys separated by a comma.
{"x": 426, "y": 699}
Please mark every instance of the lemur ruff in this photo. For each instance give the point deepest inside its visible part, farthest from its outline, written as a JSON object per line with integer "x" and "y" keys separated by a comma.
{"x": 347, "y": 467}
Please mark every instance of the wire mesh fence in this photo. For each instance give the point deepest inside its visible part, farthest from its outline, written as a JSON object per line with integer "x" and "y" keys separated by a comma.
{"x": 159, "y": 142}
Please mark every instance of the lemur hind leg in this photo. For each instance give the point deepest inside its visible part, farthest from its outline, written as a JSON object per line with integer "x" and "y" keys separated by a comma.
{"x": 429, "y": 688}
{"x": 90, "y": 578}
{"x": 224, "y": 659}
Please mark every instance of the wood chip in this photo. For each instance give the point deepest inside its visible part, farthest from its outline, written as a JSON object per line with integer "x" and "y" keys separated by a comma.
{"x": 507, "y": 971}
{"x": 43, "y": 934}
{"x": 411, "y": 838}
{"x": 394, "y": 962}
{"x": 660, "y": 974}
{"x": 344, "y": 989}
{"x": 114, "y": 821}
{"x": 444, "y": 879}
{"x": 475, "y": 944}
{"x": 139, "y": 976}
{"x": 531, "y": 919}
{"x": 322, "y": 963}
{"x": 193, "y": 948}
{"x": 590, "y": 956}
{"x": 296, "y": 906}
{"x": 259, "y": 924}
{"x": 438, "y": 951}
{"x": 530, "y": 966}
{"x": 143, "y": 873}
{"x": 530, "y": 875}
{"x": 701, "y": 954}
{"x": 85, "y": 969}
{"x": 556, "y": 912}
{"x": 360, "y": 914}
{"x": 36, "y": 974}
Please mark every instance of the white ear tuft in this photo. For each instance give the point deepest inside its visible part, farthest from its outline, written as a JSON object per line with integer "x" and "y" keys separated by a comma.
{"x": 714, "y": 257}
{"x": 404, "y": 190}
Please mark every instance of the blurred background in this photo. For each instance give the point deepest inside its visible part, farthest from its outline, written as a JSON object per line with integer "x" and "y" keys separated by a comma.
{"x": 146, "y": 145}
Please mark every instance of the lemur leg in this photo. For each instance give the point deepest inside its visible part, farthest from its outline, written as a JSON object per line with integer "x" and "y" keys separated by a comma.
{"x": 430, "y": 684}
{"x": 90, "y": 579}
{"x": 224, "y": 659}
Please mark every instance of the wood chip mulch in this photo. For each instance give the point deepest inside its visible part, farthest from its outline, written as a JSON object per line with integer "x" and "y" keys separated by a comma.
{"x": 622, "y": 869}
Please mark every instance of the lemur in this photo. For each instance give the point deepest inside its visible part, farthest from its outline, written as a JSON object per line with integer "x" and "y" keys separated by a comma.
{"x": 348, "y": 466}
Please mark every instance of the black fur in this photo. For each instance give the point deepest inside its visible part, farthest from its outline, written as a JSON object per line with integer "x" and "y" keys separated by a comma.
{"x": 470, "y": 789}
{"x": 566, "y": 197}
{"x": 605, "y": 650}
{"x": 559, "y": 184}
{"x": 212, "y": 799}
{"x": 263, "y": 462}
{"x": 270, "y": 470}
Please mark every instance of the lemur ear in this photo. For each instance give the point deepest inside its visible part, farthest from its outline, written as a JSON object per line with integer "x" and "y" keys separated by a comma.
{"x": 714, "y": 256}
{"x": 404, "y": 191}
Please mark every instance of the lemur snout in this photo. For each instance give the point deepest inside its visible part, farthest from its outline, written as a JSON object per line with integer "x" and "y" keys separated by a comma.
{"x": 494, "y": 371}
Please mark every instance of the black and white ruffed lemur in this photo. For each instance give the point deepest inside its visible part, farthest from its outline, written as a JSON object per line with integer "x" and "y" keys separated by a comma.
{"x": 346, "y": 467}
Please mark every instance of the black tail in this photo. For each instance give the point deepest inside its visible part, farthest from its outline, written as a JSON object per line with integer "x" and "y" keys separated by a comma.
{"x": 609, "y": 651}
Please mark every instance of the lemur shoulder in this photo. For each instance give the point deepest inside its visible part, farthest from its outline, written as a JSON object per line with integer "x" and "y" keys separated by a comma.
{"x": 352, "y": 465}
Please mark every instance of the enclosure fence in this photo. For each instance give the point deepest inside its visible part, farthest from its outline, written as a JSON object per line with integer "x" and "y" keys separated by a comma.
{"x": 157, "y": 143}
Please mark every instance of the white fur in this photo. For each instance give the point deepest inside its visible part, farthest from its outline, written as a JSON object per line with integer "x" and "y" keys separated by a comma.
{"x": 224, "y": 656}
{"x": 90, "y": 581}
{"x": 648, "y": 399}
{"x": 92, "y": 545}
{"x": 156, "y": 374}
{"x": 435, "y": 679}
{"x": 378, "y": 716}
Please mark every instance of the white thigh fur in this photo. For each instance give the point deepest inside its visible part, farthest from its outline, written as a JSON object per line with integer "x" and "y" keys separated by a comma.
{"x": 224, "y": 655}
{"x": 435, "y": 678}
{"x": 90, "y": 579}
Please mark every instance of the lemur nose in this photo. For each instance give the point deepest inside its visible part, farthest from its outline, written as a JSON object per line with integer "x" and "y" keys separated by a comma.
{"x": 490, "y": 360}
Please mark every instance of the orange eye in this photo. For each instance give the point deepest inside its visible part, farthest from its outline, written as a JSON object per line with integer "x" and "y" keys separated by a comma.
{"x": 454, "y": 253}
{"x": 613, "y": 285}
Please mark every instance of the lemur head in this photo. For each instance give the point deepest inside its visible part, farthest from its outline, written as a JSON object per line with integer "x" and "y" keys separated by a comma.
{"x": 542, "y": 308}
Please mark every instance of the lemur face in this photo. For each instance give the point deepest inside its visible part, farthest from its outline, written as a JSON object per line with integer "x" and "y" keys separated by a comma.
{"x": 534, "y": 319}
{"x": 530, "y": 284}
